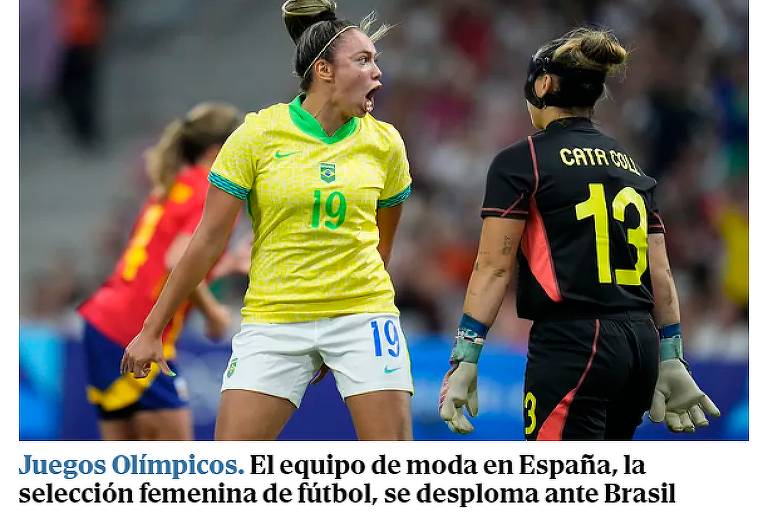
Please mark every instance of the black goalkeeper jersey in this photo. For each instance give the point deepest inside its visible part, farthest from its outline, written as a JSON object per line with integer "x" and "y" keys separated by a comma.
{"x": 588, "y": 209}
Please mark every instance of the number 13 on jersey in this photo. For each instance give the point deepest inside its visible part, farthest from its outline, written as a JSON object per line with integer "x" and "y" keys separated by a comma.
{"x": 596, "y": 206}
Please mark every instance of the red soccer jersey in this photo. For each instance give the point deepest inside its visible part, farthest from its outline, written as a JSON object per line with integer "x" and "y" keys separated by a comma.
{"x": 120, "y": 305}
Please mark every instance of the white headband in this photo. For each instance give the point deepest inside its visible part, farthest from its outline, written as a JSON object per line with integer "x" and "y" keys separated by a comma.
{"x": 326, "y": 47}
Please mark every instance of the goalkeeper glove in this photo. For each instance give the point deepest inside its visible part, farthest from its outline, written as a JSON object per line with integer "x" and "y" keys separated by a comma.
{"x": 677, "y": 399}
{"x": 459, "y": 387}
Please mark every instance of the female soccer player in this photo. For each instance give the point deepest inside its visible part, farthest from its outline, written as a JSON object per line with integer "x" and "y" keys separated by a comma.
{"x": 593, "y": 269}
{"x": 155, "y": 407}
{"x": 324, "y": 183}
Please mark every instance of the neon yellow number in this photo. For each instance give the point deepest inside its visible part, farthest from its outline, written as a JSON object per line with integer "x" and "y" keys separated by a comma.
{"x": 136, "y": 254}
{"x": 530, "y": 407}
{"x": 635, "y": 236}
{"x": 596, "y": 206}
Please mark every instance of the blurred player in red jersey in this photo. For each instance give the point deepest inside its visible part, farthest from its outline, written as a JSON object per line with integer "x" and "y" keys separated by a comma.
{"x": 156, "y": 407}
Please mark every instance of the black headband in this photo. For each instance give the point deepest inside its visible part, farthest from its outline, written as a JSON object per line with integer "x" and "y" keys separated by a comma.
{"x": 577, "y": 88}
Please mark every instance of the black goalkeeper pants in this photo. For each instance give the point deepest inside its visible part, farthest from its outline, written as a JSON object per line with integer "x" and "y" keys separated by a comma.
{"x": 590, "y": 379}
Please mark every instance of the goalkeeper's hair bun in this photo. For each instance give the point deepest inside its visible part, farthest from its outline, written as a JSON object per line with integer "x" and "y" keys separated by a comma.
{"x": 591, "y": 48}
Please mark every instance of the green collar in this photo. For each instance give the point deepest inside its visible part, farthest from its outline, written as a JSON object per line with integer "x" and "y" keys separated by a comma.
{"x": 309, "y": 125}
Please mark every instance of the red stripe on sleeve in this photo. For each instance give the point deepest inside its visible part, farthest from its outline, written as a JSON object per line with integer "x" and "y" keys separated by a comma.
{"x": 660, "y": 223}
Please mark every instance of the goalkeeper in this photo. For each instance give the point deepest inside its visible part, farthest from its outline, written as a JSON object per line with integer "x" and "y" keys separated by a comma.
{"x": 606, "y": 344}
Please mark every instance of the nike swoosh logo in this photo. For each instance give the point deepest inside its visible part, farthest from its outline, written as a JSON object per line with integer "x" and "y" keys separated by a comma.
{"x": 391, "y": 370}
{"x": 278, "y": 154}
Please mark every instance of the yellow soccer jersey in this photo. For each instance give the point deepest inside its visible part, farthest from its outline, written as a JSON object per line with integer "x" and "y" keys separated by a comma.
{"x": 312, "y": 199}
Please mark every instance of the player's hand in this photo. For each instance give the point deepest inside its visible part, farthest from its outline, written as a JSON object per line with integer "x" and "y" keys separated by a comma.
{"x": 678, "y": 401}
{"x": 458, "y": 391}
{"x": 139, "y": 355}
{"x": 217, "y": 322}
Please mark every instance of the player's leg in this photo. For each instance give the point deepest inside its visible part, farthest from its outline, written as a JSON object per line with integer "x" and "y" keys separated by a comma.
{"x": 265, "y": 380}
{"x": 112, "y": 394}
{"x": 574, "y": 368}
{"x": 368, "y": 355}
{"x": 133, "y": 409}
{"x": 99, "y": 377}
{"x": 161, "y": 425}
{"x": 250, "y": 415}
{"x": 622, "y": 420}
{"x": 625, "y": 413}
{"x": 117, "y": 430}
{"x": 164, "y": 424}
{"x": 558, "y": 355}
{"x": 161, "y": 412}
{"x": 381, "y": 415}
{"x": 149, "y": 409}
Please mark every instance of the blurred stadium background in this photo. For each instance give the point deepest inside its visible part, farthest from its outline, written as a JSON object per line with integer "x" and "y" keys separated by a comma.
{"x": 100, "y": 78}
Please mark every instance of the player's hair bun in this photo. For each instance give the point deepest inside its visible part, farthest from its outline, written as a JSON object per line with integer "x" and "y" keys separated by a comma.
{"x": 590, "y": 48}
{"x": 299, "y": 15}
{"x": 184, "y": 141}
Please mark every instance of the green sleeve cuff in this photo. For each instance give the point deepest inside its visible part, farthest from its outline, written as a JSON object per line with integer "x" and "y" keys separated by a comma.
{"x": 395, "y": 200}
{"x": 227, "y": 186}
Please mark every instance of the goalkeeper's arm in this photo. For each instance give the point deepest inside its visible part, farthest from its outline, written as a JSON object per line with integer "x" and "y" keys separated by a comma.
{"x": 677, "y": 399}
{"x": 494, "y": 265}
{"x": 666, "y": 310}
{"x": 488, "y": 284}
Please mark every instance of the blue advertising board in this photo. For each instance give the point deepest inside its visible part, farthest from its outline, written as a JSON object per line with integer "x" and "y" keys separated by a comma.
{"x": 52, "y": 402}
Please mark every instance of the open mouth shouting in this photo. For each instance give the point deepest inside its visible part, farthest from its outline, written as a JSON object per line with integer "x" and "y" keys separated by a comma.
{"x": 369, "y": 98}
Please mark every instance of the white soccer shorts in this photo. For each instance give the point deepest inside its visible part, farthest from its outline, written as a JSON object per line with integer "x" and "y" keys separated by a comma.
{"x": 366, "y": 352}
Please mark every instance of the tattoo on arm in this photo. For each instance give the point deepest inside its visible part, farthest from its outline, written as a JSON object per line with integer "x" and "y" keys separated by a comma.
{"x": 507, "y": 249}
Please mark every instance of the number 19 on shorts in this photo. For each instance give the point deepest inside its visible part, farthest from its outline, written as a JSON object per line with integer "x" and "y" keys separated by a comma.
{"x": 390, "y": 334}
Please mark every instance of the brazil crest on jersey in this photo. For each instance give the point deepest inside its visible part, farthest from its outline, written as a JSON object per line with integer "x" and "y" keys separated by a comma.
{"x": 313, "y": 199}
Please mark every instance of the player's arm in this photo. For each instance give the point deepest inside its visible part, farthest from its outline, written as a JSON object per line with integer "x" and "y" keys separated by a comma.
{"x": 387, "y": 219}
{"x": 510, "y": 183}
{"x": 397, "y": 189}
{"x": 677, "y": 399}
{"x": 207, "y": 244}
{"x": 216, "y": 315}
{"x": 666, "y": 309}
{"x": 495, "y": 262}
{"x": 494, "y": 266}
